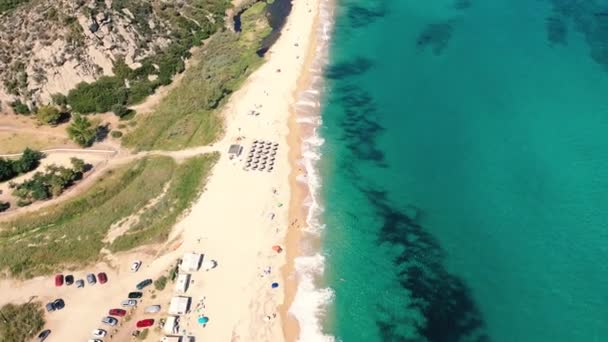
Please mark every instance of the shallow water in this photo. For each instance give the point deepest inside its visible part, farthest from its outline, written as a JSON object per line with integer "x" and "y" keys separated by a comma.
{"x": 464, "y": 171}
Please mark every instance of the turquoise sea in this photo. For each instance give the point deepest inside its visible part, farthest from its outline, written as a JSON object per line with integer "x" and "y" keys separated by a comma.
{"x": 464, "y": 171}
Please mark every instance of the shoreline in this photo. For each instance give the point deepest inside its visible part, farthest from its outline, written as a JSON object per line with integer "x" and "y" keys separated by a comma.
{"x": 299, "y": 191}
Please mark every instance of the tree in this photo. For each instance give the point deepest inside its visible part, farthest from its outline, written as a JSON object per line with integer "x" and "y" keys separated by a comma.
{"x": 77, "y": 164}
{"x": 81, "y": 130}
{"x": 48, "y": 115}
{"x": 4, "y": 206}
{"x": 29, "y": 160}
{"x": 20, "y": 108}
{"x": 59, "y": 99}
{"x": 6, "y": 169}
{"x": 120, "y": 110}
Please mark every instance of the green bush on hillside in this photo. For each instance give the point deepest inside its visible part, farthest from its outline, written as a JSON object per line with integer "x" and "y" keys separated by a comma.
{"x": 99, "y": 96}
{"x": 28, "y": 161}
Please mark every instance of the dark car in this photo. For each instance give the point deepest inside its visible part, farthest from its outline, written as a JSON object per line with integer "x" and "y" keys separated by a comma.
{"x": 69, "y": 279}
{"x": 59, "y": 304}
{"x": 117, "y": 312}
{"x": 91, "y": 278}
{"x": 143, "y": 284}
{"x": 135, "y": 295}
{"x": 43, "y": 335}
{"x": 59, "y": 280}
{"x": 102, "y": 277}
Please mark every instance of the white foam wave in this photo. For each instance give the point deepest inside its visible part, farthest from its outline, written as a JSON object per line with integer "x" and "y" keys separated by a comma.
{"x": 311, "y": 300}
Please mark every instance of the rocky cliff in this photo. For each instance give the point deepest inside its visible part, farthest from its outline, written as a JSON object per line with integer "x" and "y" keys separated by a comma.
{"x": 49, "y": 46}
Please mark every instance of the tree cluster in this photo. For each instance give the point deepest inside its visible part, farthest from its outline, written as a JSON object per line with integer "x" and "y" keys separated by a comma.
{"x": 28, "y": 161}
{"x": 49, "y": 184}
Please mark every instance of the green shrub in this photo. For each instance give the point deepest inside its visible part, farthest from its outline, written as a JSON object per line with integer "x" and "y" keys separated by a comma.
{"x": 59, "y": 99}
{"x": 48, "y": 115}
{"x": 160, "y": 283}
{"x": 28, "y": 161}
{"x": 98, "y": 96}
{"x": 4, "y": 206}
{"x": 120, "y": 110}
{"x": 20, "y": 107}
{"x": 116, "y": 134}
{"x": 139, "y": 90}
{"x": 81, "y": 130}
{"x": 51, "y": 183}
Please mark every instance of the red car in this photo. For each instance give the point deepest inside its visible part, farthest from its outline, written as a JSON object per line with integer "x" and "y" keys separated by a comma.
{"x": 145, "y": 323}
{"x": 102, "y": 277}
{"x": 117, "y": 312}
{"x": 59, "y": 280}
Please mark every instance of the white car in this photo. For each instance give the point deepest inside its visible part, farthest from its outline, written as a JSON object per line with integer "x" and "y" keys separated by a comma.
{"x": 99, "y": 333}
{"x": 135, "y": 266}
{"x": 129, "y": 302}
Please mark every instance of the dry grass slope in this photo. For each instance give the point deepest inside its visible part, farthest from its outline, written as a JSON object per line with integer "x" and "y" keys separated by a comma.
{"x": 71, "y": 234}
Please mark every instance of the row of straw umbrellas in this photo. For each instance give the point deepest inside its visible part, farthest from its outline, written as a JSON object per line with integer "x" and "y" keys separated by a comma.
{"x": 261, "y": 156}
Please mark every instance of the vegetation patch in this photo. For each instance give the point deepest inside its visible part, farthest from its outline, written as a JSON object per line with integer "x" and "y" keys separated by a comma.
{"x": 28, "y": 161}
{"x": 72, "y": 233}
{"x": 82, "y": 130}
{"x": 190, "y": 114}
{"x": 160, "y": 283}
{"x": 154, "y": 225}
{"x": 49, "y": 184}
{"x": 20, "y": 323}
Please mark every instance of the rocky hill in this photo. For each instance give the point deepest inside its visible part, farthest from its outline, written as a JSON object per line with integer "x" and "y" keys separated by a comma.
{"x": 49, "y": 46}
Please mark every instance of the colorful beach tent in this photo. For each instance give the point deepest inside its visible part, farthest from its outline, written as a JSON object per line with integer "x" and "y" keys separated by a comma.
{"x": 275, "y": 285}
{"x": 277, "y": 248}
{"x": 203, "y": 320}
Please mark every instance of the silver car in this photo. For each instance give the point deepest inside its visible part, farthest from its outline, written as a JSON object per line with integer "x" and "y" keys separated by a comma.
{"x": 129, "y": 302}
{"x": 109, "y": 320}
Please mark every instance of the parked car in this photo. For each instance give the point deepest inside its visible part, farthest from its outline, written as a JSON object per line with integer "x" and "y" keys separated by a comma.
{"x": 135, "y": 265}
{"x": 135, "y": 295}
{"x": 43, "y": 335}
{"x": 102, "y": 277}
{"x": 129, "y": 302}
{"x": 152, "y": 309}
{"x": 91, "y": 279}
{"x": 109, "y": 320}
{"x": 145, "y": 323}
{"x": 79, "y": 283}
{"x": 143, "y": 284}
{"x": 69, "y": 279}
{"x": 99, "y": 333}
{"x": 59, "y": 280}
{"x": 57, "y": 304}
{"x": 117, "y": 312}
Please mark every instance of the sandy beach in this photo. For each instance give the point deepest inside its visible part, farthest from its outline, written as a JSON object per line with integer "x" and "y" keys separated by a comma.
{"x": 237, "y": 220}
